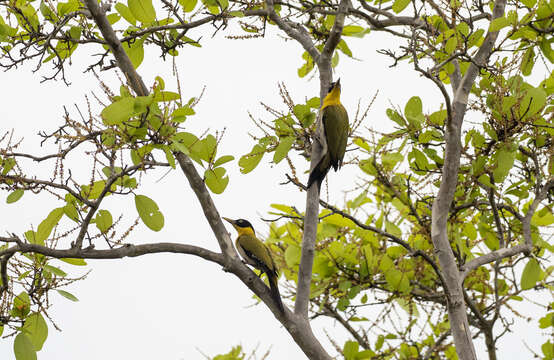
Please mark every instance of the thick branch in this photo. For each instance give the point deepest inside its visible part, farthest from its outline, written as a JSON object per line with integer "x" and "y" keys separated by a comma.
{"x": 123, "y": 61}
{"x": 318, "y": 148}
{"x": 208, "y": 206}
{"x": 127, "y": 250}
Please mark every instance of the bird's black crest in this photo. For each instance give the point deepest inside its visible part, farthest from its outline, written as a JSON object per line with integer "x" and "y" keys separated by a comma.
{"x": 244, "y": 223}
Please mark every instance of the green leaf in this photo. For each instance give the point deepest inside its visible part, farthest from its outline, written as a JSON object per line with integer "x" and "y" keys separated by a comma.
{"x": 126, "y": 13}
{"x": 180, "y": 114}
{"x": 47, "y": 225}
{"x": 54, "y": 270}
{"x": 149, "y": 212}
{"x": 292, "y": 256}
{"x": 392, "y": 229}
{"x": 342, "y": 46}
{"x": 414, "y": 111}
{"x": 188, "y": 5}
{"x": 531, "y": 274}
{"x": 283, "y": 148}
{"x": 533, "y": 101}
{"x": 223, "y": 159}
{"x": 528, "y": 61}
{"x": 135, "y": 51}
{"x": 498, "y": 24}
{"x": 104, "y": 220}
{"x": 350, "y": 350}
{"x": 118, "y": 111}
{"x": 23, "y": 348}
{"x": 451, "y": 45}
{"x": 216, "y": 180}
{"x": 21, "y": 305}
{"x": 504, "y": 160}
{"x": 74, "y": 261}
{"x": 95, "y": 191}
{"x": 542, "y": 219}
{"x": 249, "y": 161}
{"x": 14, "y": 196}
{"x": 400, "y": 5}
{"x": 354, "y": 30}
{"x": 67, "y": 295}
{"x": 36, "y": 329}
{"x": 142, "y": 10}
{"x": 166, "y": 96}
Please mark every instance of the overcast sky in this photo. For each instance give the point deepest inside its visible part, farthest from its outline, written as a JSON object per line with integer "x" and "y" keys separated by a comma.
{"x": 174, "y": 306}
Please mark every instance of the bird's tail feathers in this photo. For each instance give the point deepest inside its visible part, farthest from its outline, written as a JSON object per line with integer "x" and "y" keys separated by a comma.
{"x": 316, "y": 175}
{"x": 274, "y": 290}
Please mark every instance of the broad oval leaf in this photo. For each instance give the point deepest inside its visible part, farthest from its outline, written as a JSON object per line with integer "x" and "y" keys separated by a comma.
{"x": 249, "y": 162}
{"x": 118, "y": 111}
{"x": 126, "y": 13}
{"x": 142, "y": 10}
{"x": 47, "y": 225}
{"x": 23, "y": 348}
{"x": 36, "y": 329}
{"x": 400, "y": 5}
{"x": 531, "y": 274}
{"x": 216, "y": 180}
{"x": 223, "y": 159}
{"x": 104, "y": 220}
{"x": 149, "y": 212}
{"x": 188, "y": 5}
{"x": 283, "y": 148}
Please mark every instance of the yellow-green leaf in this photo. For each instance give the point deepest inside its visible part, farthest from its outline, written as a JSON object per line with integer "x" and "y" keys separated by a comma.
{"x": 400, "y": 5}
{"x": 74, "y": 261}
{"x": 498, "y": 24}
{"x": 283, "y": 148}
{"x": 149, "y": 212}
{"x": 14, "y": 196}
{"x": 216, "y": 180}
{"x": 126, "y": 13}
{"x": 67, "y": 295}
{"x": 23, "y": 348}
{"x": 142, "y": 10}
{"x": 36, "y": 329}
{"x": 531, "y": 274}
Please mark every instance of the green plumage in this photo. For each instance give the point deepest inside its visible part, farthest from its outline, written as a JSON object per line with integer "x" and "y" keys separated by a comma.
{"x": 335, "y": 126}
{"x": 257, "y": 254}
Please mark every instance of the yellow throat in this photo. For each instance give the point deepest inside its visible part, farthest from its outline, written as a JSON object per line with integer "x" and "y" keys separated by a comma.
{"x": 244, "y": 230}
{"x": 332, "y": 98}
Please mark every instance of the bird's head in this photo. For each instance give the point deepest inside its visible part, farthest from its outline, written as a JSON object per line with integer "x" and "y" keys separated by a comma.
{"x": 333, "y": 96}
{"x": 242, "y": 226}
{"x": 334, "y": 86}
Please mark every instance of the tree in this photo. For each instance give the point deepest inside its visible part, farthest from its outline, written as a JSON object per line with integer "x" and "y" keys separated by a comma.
{"x": 450, "y": 219}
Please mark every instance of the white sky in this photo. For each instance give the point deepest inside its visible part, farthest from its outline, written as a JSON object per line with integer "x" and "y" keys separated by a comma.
{"x": 169, "y": 306}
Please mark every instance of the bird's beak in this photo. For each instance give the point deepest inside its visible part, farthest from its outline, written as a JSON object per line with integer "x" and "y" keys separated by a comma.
{"x": 337, "y": 83}
{"x": 230, "y": 221}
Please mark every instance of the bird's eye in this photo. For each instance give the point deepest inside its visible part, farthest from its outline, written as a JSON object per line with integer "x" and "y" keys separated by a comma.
{"x": 331, "y": 87}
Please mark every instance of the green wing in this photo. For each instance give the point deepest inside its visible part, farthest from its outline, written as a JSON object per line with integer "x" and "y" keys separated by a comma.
{"x": 335, "y": 123}
{"x": 257, "y": 252}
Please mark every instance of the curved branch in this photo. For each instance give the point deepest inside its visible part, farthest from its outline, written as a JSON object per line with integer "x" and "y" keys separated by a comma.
{"x": 127, "y": 250}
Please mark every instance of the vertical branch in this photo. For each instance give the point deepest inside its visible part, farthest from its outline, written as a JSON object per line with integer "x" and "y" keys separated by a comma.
{"x": 318, "y": 146}
{"x": 441, "y": 206}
